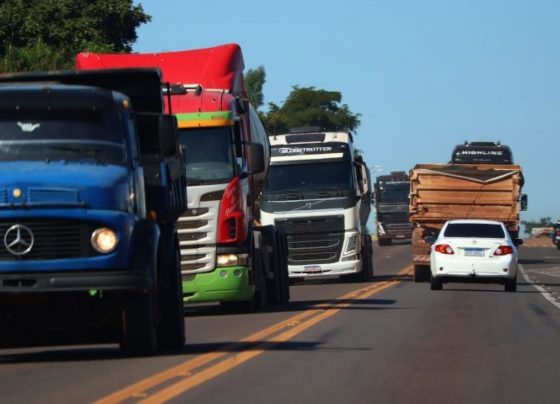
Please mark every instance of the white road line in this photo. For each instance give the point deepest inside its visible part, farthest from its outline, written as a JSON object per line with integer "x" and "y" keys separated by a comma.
{"x": 547, "y": 295}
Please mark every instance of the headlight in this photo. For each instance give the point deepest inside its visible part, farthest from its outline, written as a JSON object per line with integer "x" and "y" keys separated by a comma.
{"x": 230, "y": 260}
{"x": 351, "y": 245}
{"x": 104, "y": 240}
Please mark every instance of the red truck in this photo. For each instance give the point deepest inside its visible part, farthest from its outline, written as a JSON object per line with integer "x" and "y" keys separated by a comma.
{"x": 225, "y": 256}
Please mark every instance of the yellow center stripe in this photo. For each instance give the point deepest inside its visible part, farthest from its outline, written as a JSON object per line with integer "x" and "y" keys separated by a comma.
{"x": 187, "y": 379}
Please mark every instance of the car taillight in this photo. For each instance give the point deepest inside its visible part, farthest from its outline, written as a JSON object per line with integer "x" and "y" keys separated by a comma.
{"x": 558, "y": 233}
{"x": 444, "y": 249}
{"x": 503, "y": 250}
{"x": 232, "y": 226}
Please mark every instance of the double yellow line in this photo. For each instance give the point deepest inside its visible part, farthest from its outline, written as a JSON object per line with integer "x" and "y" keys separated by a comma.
{"x": 194, "y": 372}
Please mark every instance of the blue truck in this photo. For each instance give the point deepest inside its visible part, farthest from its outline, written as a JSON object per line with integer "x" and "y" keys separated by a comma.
{"x": 93, "y": 181}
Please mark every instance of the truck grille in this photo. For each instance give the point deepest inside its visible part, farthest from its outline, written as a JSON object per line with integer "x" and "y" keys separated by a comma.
{"x": 52, "y": 239}
{"x": 313, "y": 240}
{"x": 197, "y": 236}
{"x": 314, "y": 248}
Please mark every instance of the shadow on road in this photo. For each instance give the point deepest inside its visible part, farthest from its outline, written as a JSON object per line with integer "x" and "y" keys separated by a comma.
{"x": 301, "y": 305}
{"x": 57, "y": 354}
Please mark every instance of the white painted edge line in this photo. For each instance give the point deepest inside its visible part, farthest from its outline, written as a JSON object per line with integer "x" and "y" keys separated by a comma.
{"x": 546, "y": 294}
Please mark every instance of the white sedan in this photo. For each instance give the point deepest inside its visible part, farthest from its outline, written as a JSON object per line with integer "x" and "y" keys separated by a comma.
{"x": 474, "y": 251}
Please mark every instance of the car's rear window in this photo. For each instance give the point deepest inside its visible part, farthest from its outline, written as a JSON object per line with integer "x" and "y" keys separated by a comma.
{"x": 480, "y": 230}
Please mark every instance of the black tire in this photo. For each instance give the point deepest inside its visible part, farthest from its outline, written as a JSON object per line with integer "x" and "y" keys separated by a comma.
{"x": 171, "y": 327}
{"x": 139, "y": 324}
{"x": 421, "y": 273}
{"x": 367, "y": 259}
{"x": 281, "y": 259}
{"x": 511, "y": 285}
{"x": 270, "y": 251}
{"x": 436, "y": 284}
{"x": 381, "y": 242}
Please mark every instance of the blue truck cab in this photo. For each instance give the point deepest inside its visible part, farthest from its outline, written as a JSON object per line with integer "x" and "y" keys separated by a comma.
{"x": 92, "y": 184}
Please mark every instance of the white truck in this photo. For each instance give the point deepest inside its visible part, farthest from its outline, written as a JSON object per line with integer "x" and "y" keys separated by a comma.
{"x": 318, "y": 189}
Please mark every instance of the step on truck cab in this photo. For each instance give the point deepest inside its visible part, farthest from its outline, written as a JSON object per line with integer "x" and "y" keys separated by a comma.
{"x": 318, "y": 190}
{"x": 93, "y": 184}
{"x": 391, "y": 207}
{"x": 480, "y": 182}
{"x": 225, "y": 256}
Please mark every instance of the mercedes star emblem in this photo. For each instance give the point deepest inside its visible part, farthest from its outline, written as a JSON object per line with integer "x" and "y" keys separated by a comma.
{"x": 19, "y": 239}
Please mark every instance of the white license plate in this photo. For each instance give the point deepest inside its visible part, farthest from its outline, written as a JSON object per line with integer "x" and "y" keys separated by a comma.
{"x": 474, "y": 252}
{"x": 311, "y": 269}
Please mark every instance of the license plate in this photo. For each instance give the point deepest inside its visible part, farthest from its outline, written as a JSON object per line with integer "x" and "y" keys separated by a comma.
{"x": 311, "y": 269}
{"x": 474, "y": 252}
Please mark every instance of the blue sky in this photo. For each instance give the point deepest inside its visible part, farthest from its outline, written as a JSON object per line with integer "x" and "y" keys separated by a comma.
{"x": 424, "y": 75}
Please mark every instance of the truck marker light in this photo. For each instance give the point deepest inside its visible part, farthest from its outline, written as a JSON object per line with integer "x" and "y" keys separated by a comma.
{"x": 104, "y": 240}
{"x": 444, "y": 249}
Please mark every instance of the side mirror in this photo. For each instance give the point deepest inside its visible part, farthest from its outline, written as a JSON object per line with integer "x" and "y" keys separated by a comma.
{"x": 524, "y": 201}
{"x": 256, "y": 158}
{"x": 517, "y": 241}
{"x": 167, "y": 131}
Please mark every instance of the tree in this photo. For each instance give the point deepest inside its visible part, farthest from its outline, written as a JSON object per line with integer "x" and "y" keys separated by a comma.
{"x": 543, "y": 222}
{"x": 47, "y": 34}
{"x": 254, "y": 81}
{"x": 308, "y": 106}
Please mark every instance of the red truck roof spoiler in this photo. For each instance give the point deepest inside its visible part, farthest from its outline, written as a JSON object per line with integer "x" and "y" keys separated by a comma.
{"x": 219, "y": 67}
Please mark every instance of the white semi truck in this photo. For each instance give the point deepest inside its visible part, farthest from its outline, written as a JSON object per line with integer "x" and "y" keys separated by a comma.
{"x": 318, "y": 189}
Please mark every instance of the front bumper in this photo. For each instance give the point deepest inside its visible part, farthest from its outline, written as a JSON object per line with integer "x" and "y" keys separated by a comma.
{"x": 75, "y": 281}
{"x": 321, "y": 270}
{"x": 226, "y": 284}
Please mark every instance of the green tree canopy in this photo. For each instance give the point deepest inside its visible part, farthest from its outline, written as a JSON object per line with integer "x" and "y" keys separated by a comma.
{"x": 308, "y": 106}
{"x": 254, "y": 81}
{"x": 47, "y": 34}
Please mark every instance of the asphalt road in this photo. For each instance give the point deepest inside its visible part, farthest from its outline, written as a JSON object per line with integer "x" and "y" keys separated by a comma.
{"x": 389, "y": 341}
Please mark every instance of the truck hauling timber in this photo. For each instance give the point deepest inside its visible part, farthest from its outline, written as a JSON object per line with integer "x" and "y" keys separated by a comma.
{"x": 466, "y": 190}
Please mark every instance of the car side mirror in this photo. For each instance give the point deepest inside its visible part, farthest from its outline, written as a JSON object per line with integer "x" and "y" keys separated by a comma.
{"x": 517, "y": 241}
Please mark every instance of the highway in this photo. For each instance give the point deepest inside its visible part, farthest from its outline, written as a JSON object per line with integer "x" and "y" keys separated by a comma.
{"x": 388, "y": 341}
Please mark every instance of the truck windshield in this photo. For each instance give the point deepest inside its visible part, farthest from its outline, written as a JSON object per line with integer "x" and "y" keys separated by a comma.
{"x": 62, "y": 135}
{"x": 336, "y": 175}
{"x": 393, "y": 193}
{"x": 209, "y": 154}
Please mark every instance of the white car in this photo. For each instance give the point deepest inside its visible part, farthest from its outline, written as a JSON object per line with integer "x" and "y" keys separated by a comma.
{"x": 474, "y": 251}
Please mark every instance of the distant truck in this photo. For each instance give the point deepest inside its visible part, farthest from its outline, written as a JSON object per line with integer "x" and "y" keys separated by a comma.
{"x": 318, "y": 190}
{"x": 391, "y": 206}
{"x": 225, "y": 256}
{"x": 93, "y": 183}
{"x": 481, "y": 182}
